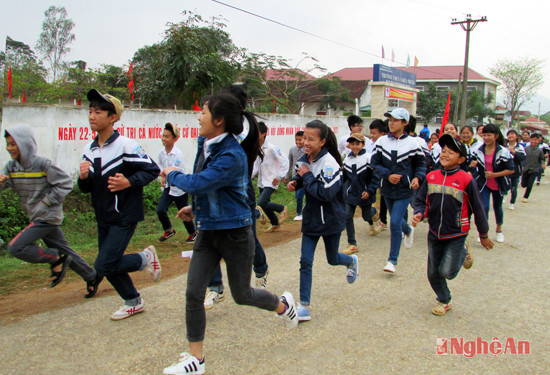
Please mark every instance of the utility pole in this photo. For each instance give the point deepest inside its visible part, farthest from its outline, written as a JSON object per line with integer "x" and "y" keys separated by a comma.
{"x": 467, "y": 25}
{"x": 457, "y": 100}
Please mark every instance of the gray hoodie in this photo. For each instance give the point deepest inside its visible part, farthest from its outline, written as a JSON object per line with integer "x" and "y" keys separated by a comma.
{"x": 41, "y": 185}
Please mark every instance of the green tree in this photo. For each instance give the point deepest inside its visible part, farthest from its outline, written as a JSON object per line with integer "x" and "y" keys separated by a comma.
{"x": 520, "y": 79}
{"x": 431, "y": 102}
{"x": 334, "y": 95}
{"x": 476, "y": 105}
{"x": 194, "y": 59}
{"x": 55, "y": 38}
{"x": 273, "y": 83}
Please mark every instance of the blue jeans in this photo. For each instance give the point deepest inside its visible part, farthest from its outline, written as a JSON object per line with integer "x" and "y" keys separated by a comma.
{"x": 260, "y": 261}
{"x": 514, "y": 181}
{"x": 497, "y": 203}
{"x": 300, "y": 193}
{"x": 367, "y": 212}
{"x": 334, "y": 258}
{"x": 269, "y": 207}
{"x": 398, "y": 225}
{"x": 162, "y": 210}
{"x": 111, "y": 261}
{"x": 445, "y": 258}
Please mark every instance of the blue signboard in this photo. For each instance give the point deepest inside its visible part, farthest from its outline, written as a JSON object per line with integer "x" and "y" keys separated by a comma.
{"x": 383, "y": 73}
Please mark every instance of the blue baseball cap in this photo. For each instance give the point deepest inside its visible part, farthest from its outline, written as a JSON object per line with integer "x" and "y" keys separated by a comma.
{"x": 399, "y": 113}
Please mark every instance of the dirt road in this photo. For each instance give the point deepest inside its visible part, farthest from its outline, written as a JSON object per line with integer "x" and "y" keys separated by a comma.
{"x": 380, "y": 325}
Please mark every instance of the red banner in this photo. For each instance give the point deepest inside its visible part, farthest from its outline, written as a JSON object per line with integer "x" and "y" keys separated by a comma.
{"x": 9, "y": 81}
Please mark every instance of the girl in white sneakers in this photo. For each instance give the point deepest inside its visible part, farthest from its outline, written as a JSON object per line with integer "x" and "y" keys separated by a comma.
{"x": 223, "y": 218}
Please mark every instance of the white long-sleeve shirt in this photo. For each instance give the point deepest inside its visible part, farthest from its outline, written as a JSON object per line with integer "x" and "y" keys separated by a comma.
{"x": 173, "y": 159}
{"x": 274, "y": 165}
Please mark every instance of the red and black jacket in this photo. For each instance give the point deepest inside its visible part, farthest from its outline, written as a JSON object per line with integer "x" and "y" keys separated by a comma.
{"x": 448, "y": 198}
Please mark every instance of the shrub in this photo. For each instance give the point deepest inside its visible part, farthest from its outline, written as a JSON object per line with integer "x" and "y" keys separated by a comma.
{"x": 12, "y": 217}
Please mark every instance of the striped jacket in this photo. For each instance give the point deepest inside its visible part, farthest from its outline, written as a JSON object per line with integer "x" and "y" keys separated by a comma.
{"x": 448, "y": 198}
{"x": 117, "y": 155}
{"x": 359, "y": 177}
{"x": 402, "y": 156}
{"x": 40, "y": 185}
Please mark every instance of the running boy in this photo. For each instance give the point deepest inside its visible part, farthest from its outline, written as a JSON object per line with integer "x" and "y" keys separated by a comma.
{"x": 401, "y": 164}
{"x": 114, "y": 170}
{"x": 294, "y": 154}
{"x": 42, "y": 187}
{"x": 271, "y": 170}
{"x": 171, "y": 156}
{"x": 360, "y": 184}
{"x": 533, "y": 161}
{"x": 447, "y": 198}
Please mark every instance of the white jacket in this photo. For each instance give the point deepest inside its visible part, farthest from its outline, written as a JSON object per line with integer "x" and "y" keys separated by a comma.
{"x": 173, "y": 159}
{"x": 274, "y": 165}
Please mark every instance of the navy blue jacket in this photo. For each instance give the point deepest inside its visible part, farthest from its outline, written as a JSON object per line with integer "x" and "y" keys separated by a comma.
{"x": 324, "y": 212}
{"x": 402, "y": 156}
{"x": 117, "y": 155}
{"x": 502, "y": 160}
{"x": 359, "y": 177}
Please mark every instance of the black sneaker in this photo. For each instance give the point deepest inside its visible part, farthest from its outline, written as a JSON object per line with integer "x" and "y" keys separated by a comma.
{"x": 166, "y": 235}
{"x": 192, "y": 237}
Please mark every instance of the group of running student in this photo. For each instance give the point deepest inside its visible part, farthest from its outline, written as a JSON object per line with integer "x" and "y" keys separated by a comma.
{"x": 445, "y": 185}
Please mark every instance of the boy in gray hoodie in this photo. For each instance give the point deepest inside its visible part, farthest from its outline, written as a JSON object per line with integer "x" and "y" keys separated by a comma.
{"x": 42, "y": 187}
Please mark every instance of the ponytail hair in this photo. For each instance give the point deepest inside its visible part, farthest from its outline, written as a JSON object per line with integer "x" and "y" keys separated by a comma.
{"x": 230, "y": 105}
{"x": 331, "y": 144}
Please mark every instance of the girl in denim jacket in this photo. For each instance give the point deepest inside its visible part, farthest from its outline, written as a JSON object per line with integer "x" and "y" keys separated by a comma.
{"x": 223, "y": 217}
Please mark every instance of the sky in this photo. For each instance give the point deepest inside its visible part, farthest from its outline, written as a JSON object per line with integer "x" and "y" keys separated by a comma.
{"x": 338, "y": 34}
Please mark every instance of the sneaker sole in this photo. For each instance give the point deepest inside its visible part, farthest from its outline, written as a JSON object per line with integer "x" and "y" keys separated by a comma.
{"x": 304, "y": 319}
{"x": 157, "y": 277}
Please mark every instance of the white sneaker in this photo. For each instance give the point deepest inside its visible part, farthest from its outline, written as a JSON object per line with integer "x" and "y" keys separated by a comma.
{"x": 187, "y": 364}
{"x": 290, "y": 315}
{"x": 408, "y": 240}
{"x": 127, "y": 311}
{"x": 512, "y": 207}
{"x": 153, "y": 264}
{"x": 298, "y": 218}
{"x": 261, "y": 282}
{"x": 213, "y": 297}
{"x": 500, "y": 237}
{"x": 390, "y": 267}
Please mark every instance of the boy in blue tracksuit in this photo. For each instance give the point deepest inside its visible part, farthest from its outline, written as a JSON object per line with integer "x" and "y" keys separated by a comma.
{"x": 114, "y": 170}
{"x": 401, "y": 164}
{"x": 360, "y": 184}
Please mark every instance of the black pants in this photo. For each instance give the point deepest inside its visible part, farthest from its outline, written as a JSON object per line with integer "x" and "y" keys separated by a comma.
{"x": 527, "y": 180}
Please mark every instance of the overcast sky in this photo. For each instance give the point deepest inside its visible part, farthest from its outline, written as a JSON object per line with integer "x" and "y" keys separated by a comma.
{"x": 111, "y": 31}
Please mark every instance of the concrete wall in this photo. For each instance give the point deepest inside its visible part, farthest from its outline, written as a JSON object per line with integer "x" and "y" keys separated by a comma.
{"x": 62, "y": 132}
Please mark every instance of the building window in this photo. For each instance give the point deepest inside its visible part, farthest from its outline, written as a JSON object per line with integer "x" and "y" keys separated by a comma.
{"x": 421, "y": 88}
{"x": 438, "y": 120}
{"x": 443, "y": 88}
{"x": 393, "y": 104}
{"x": 472, "y": 88}
{"x": 321, "y": 113}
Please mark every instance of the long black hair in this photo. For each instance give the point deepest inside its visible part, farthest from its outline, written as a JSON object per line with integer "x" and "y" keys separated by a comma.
{"x": 230, "y": 105}
{"x": 494, "y": 129}
{"x": 331, "y": 145}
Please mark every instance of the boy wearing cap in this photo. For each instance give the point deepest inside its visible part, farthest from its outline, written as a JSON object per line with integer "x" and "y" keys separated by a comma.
{"x": 360, "y": 184}
{"x": 171, "y": 156}
{"x": 114, "y": 170}
{"x": 447, "y": 198}
{"x": 41, "y": 186}
{"x": 401, "y": 164}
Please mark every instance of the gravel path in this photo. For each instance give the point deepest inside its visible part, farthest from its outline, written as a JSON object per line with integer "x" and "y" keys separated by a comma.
{"x": 380, "y": 325}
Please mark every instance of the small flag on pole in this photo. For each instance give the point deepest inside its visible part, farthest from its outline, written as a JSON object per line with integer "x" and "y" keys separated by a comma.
{"x": 24, "y": 98}
{"x": 131, "y": 83}
{"x": 392, "y": 56}
{"x": 408, "y": 60}
{"x": 383, "y": 53}
{"x": 415, "y": 61}
{"x": 9, "y": 81}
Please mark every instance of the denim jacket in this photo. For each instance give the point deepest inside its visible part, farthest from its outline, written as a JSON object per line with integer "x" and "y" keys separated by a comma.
{"x": 219, "y": 186}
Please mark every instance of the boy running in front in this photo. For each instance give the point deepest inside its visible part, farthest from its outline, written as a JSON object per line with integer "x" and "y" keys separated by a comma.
{"x": 448, "y": 197}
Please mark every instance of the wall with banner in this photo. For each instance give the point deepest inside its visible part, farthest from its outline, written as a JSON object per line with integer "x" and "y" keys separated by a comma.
{"x": 62, "y": 132}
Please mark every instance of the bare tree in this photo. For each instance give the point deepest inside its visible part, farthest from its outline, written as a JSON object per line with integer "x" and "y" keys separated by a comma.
{"x": 55, "y": 38}
{"x": 520, "y": 78}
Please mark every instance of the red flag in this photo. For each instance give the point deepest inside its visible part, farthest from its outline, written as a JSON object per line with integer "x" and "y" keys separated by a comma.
{"x": 129, "y": 74}
{"x": 445, "y": 115}
{"x": 9, "y": 81}
{"x": 195, "y": 106}
{"x": 23, "y": 99}
{"x": 131, "y": 83}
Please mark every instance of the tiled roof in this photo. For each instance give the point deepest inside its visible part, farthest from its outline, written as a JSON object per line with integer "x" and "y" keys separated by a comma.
{"x": 277, "y": 74}
{"x": 423, "y": 73}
